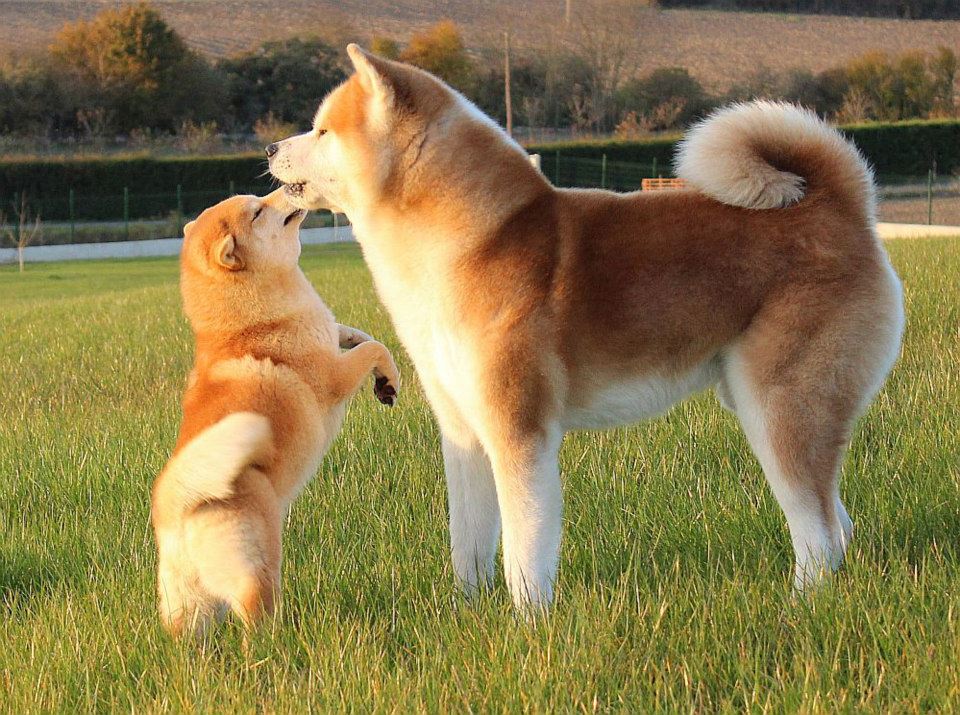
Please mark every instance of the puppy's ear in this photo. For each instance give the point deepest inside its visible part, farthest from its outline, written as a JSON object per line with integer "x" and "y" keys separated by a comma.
{"x": 375, "y": 74}
{"x": 227, "y": 255}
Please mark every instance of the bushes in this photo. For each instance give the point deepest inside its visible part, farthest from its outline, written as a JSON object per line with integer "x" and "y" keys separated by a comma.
{"x": 282, "y": 80}
{"x": 641, "y": 151}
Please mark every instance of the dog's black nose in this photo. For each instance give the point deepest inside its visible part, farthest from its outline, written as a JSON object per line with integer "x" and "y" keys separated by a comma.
{"x": 272, "y": 149}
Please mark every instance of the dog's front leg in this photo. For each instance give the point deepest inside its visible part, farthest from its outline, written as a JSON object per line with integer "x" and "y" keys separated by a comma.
{"x": 351, "y": 337}
{"x": 354, "y": 366}
{"x": 474, "y": 511}
{"x": 527, "y": 476}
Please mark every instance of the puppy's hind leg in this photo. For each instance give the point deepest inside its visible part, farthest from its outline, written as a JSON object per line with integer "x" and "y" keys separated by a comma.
{"x": 237, "y": 549}
{"x": 183, "y": 611}
{"x": 354, "y": 366}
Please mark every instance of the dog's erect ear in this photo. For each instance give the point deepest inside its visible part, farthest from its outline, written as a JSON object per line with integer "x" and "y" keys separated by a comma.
{"x": 376, "y": 75}
{"x": 226, "y": 255}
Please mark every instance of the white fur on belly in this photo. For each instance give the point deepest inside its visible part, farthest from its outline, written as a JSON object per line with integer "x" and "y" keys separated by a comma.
{"x": 631, "y": 400}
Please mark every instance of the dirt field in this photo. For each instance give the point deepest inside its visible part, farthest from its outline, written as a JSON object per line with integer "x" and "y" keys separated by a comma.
{"x": 946, "y": 211}
{"x": 718, "y": 47}
{"x": 908, "y": 203}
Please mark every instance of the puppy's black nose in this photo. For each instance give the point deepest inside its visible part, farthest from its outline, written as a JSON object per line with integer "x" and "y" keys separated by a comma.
{"x": 272, "y": 149}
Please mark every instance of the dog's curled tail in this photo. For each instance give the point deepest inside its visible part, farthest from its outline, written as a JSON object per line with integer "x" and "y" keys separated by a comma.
{"x": 765, "y": 155}
{"x": 207, "y": 466}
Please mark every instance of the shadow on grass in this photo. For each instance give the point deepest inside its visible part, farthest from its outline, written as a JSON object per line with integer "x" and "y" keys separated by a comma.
{"x": 25, "y": 577}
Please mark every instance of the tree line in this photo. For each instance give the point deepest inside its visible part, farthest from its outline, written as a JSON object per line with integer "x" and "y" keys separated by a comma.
{"x": 126, "y": 72}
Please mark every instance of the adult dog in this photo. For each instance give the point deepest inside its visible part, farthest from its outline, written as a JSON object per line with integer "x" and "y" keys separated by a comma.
{"x": 264, "y": 401}
{"x": 530, "y": 310}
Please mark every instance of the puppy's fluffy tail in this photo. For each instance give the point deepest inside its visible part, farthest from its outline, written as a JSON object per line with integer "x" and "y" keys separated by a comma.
{"x": 765, "y": 155}
{"x": 207, "y": 467}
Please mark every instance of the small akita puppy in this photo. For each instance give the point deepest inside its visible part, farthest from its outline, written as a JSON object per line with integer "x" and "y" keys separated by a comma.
{"x": 265, "y": 399}
{"x": 530, "y": 310}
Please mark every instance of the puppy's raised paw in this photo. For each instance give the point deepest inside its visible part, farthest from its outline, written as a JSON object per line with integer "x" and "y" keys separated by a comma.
{"x": 385, "y": 391}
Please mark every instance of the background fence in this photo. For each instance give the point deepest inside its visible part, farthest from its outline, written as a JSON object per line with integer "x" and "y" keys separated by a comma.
{"x": 125, "y": 214}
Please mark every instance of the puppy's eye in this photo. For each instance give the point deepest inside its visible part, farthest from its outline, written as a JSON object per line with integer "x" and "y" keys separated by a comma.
{"x": 258, "y": 212}
{"x": 321, "y": 132}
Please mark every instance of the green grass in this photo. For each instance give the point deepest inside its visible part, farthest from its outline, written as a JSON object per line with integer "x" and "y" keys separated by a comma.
{"x": 674, "y": 583}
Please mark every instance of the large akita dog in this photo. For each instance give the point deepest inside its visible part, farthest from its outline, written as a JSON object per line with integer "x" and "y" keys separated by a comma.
{"x": 530, "y": 310}
{"x": 265, "y": 399}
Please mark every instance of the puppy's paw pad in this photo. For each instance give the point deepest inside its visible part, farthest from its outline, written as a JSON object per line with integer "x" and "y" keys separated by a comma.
{"x": 385, "y": 391}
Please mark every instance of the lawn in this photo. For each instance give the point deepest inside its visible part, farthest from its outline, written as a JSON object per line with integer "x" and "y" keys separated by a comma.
{"x": 674, "y": 583}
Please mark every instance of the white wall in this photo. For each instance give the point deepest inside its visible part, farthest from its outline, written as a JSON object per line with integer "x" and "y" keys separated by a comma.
{"x": 139, "y": 249}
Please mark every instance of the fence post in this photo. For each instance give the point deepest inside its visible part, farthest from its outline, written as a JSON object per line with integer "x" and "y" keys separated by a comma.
{"x": 603, "y": 172}
{"x": 16, "y": 217}
{"x": 556, "y": 170}
{"x": 73, "y": 214}
{"x": 930, "y": 197}
{"x": 653, "y": 172}
{"x": 179, "y": 209}
{"x": 232, "y": 188}
{"x": 126, "y": 213}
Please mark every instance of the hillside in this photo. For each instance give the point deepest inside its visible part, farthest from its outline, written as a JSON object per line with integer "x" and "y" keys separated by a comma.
{"x": 718, "y": 47}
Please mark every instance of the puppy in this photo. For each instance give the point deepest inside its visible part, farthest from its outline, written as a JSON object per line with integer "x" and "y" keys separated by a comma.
{"x": 264, "y": 401}
{"x": 530, "y": 310}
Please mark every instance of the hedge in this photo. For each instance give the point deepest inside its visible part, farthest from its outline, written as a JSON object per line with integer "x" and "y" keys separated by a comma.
{"x": 900, "y": 149}
{"x": 152, "y": 183}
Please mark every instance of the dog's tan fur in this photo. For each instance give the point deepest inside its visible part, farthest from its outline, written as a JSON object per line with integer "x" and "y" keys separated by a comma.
{"x": 530, "y": 310}
{"x": 265, "y": 399}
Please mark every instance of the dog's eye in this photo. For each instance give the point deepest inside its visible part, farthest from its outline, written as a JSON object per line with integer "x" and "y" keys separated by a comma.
{"x": 259, "y": 210}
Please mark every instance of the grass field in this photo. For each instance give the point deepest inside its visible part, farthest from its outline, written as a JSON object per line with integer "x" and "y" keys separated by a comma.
{"x": 674, "y": 588}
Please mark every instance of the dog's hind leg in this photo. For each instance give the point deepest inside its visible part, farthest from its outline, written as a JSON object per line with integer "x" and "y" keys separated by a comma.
{"x": 237, "y": 548}
{"x": 800, "y": 377}
{"x": 529, "y": 493}
{"x": 184, "y": 608}
{"x": 184, "y": 611}
{"x": 801, "y": 461}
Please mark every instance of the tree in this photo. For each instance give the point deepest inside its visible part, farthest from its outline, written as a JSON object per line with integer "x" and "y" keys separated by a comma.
{"x": 824, "y": 92}
{"x": 541, "y": 85}
{"x": 25, "y": 229}
{"x": 667, "y": 98}
{"x": 943, "y": 70}
{"x": 601, "y": 42}
{"x": 385, "y": 47}
{"x": 440, "y": 51}
{"x": 33, "y": 100}
{"x": 283, "y": 79}
{"x": 895, "y": 88}
{"x": 130, "y": 64}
